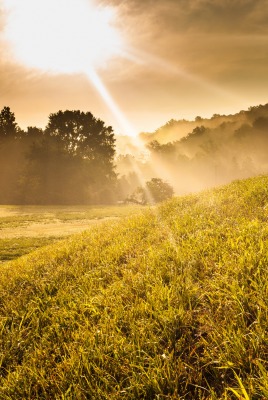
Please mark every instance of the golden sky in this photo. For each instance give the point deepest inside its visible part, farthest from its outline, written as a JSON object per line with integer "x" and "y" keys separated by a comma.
{"x": 135, "y": 63}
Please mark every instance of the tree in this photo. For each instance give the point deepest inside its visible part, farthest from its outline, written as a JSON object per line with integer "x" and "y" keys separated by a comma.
{"x": 82, "y": 135}
{"x": 154, "y": 191}
{"x": 11, "y": 156}
{"x": 8, "y": 125}
{"x": 261, "y": 123}
{"x": 159, "y": 190}
{"x": 33, "y": 132}
{"x": 70, "y": 162}
{"x": 167, "y": 149}
{"x": 86, "y": 138}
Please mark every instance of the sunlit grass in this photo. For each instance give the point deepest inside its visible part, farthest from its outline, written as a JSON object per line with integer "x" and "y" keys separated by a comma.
{"x": 170, "y": 304}
{"x": 16, "y": 239}
{"x": 23, "y": 215}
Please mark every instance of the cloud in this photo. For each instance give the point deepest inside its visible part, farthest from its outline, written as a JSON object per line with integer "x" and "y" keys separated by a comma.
{"x": 215, "y": 35}
{"x": 183, "y": 55}
{"x": 194, "y": 15}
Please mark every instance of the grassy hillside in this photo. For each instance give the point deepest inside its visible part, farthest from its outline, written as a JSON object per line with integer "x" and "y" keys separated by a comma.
{"x": 171, "y": 304}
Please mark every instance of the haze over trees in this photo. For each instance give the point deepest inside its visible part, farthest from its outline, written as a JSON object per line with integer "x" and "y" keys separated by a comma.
{"x": 194, "y": 155}
{"x": 154, "y": 191}
{"x": 77, "y": 159}
{"x": 71, "y": 161}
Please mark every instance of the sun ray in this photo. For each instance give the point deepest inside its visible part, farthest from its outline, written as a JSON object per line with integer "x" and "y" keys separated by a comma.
{"x": 123, "y": 122}
{"x": 151, "y": 60}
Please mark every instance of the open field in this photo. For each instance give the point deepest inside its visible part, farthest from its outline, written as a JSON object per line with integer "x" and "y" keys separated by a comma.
{"x": 25, "y": 228}
{"x": 169, "y": 304}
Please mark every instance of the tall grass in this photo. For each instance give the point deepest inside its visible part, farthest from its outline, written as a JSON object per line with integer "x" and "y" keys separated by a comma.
{"x": 170, "y": 304}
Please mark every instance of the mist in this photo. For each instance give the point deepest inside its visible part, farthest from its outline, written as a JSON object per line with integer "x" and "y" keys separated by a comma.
{"x": 200, "y": 154}
{"x": 77, "y": 159}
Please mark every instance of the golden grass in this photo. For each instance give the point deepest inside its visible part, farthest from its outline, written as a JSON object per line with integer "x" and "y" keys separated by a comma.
{"x": 169, "y": 304}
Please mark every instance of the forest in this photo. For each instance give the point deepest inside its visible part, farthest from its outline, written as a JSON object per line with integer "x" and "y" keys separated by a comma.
{"x": 77, "y": 159}
{"x": 203, "y": 153}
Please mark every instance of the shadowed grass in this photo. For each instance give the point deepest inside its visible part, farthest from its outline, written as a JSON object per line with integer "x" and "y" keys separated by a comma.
{"x": 170, "y": 304}
{"x": 14, "y": 248}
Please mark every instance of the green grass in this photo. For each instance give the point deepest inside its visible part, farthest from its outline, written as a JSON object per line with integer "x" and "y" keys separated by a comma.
{"x": 11, "y": 249}
{"x": 14, "y": 221}
{"x": 168, "y": 304}
{"x": 23, "y": 215}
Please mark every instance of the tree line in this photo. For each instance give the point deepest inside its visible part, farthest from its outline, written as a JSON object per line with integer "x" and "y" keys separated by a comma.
{"x": 213, "y": 152}
{"x": 71, "y": 161}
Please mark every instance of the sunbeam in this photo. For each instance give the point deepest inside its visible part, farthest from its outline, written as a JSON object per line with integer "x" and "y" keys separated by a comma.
{"x": 122, "y": 121}
{"x": 80, "y": 36}
{"x": 151, "y": 60}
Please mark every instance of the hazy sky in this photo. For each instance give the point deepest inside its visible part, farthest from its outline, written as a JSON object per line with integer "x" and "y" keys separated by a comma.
{"x": 135, "y": 63}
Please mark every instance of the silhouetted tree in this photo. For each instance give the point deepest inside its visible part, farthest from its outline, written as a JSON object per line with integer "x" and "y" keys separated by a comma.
{"x": 159, "y": 189}
{"x": 71, "y": 162}
{"x": 83, "y": 135}
{"x": 8, "y": 125}
{"x": 11, "y": 156}
{"x": 154, "y": 191}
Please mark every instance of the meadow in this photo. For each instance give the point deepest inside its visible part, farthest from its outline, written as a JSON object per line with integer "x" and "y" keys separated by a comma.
{"x": 171, "y": 303}
{"x": 26, "y": 228}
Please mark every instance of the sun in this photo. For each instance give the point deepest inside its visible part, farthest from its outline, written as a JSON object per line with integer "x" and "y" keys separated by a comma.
{"x": 66, "y": 36}
{"x": 62, "y": 36}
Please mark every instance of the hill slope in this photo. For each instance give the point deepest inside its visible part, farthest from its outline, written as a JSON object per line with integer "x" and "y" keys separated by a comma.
{"x": 197, "y": 155}
{"x": 171, "y": 304}
{"x": 175, "y": 130}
